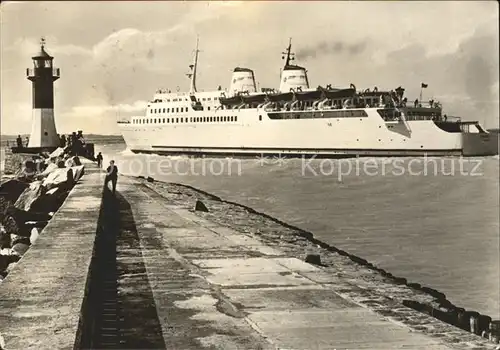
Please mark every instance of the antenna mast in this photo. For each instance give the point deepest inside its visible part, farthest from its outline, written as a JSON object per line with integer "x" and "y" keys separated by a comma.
{"x": 288, "y": 52}
{"x": 192, "y": 67}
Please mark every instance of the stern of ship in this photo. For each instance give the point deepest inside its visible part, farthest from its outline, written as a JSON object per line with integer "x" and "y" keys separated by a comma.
{"x": 476, "y": 141}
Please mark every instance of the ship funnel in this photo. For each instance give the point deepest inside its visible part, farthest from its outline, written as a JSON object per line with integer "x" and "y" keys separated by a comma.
{"x": 242, "y": 80}
{"x": 293, "y": 77}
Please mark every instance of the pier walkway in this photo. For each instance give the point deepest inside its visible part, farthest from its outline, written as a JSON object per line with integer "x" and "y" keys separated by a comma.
{"x": 158, "y": 276}
{"x": 219, "y": 288}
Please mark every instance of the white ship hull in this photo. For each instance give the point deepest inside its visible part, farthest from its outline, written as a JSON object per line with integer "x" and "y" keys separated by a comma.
{"x": 254, "y": 133}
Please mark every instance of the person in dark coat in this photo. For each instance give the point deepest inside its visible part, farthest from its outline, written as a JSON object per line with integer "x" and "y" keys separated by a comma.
{"x": 99, "y": 160}
{"x": 112, "y": 175}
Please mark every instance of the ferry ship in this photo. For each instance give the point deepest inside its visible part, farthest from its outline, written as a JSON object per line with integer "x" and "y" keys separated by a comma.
{"x": 299, "y": 121}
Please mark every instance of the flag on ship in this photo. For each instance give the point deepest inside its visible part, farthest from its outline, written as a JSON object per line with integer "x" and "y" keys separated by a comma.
{"x": 423, "y": 86}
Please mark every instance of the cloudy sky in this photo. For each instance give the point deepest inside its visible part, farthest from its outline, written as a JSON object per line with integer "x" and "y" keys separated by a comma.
{"x": 114, "y": 55}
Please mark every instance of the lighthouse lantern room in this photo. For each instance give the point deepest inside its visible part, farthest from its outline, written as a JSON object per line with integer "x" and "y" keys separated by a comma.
{"x": 42, "y": 76}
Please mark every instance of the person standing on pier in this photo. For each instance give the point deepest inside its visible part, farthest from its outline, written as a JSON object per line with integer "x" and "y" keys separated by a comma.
{"x": 99, "y": 160}
{"x": 112, "y": 175}
{"x": 19, "y": 141}
{"x": 27, "y": 141}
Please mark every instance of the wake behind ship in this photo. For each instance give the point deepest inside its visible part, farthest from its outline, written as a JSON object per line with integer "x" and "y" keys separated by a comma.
{"x": 297, "y": 121}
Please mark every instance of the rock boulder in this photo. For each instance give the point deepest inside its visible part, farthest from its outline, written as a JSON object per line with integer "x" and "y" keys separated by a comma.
{"x": 57, "y": 178}
{"x": 57, "y": 153}
{"x": 12, "y": 189}
{"x": 4, "y": 238}
{"x": 20, "y": 248}
{"x": 30, "y": 196}
{"x": 77, "y": 172}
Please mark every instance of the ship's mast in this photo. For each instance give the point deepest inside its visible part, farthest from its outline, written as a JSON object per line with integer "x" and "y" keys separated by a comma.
{"x": 192, "y": 67}
{"x": 288, "y": 52}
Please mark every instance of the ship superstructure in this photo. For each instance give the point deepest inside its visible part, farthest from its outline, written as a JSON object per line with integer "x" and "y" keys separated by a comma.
{"x": 297, "y": 120}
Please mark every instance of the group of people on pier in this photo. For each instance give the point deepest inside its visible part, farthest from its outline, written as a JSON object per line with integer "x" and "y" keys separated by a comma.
{"x": 19, "y": 141}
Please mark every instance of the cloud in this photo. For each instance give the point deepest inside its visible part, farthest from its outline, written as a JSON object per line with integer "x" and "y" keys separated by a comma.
{"x": 331, "y": 48}
{"x": 100, "y": 118}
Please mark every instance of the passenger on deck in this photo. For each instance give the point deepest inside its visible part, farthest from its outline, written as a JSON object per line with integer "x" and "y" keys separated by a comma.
{"x": 19, "y": 141}
{"x": 416, "y": 102}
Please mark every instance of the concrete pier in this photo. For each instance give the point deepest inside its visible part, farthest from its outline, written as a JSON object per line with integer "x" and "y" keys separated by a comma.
{"x": 134, "y": 271}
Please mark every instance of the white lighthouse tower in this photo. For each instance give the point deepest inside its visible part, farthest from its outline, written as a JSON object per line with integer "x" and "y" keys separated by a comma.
{"x": 42, "y": 75}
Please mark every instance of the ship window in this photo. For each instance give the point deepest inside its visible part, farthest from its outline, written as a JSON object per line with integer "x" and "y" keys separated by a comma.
{"x": 203, "y": 99}
{"x": 210, "y": 99}
{"x": 208, "y": 108}
{"x": 177, "y": 110}
{"x": 163, "y": 120}
{"x": 204, "y": 119}
{"x": 235, "y": 119}
{"x": 260, "y": 117}
{"x": 151, "y": 110}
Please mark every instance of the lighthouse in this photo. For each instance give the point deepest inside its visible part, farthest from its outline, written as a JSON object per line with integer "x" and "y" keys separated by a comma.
{"x": 42, "y": 76}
